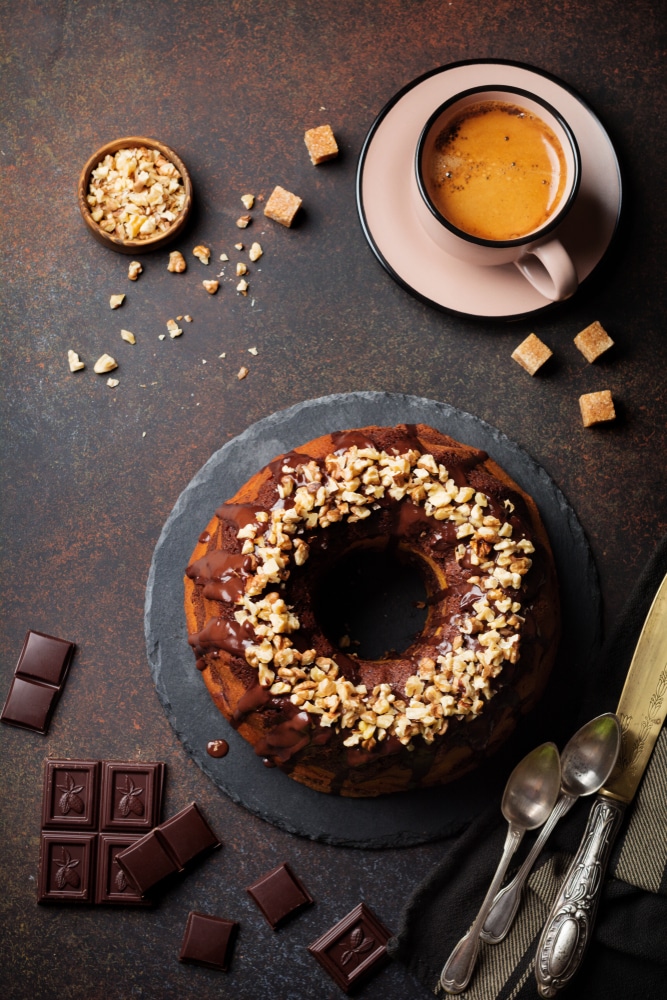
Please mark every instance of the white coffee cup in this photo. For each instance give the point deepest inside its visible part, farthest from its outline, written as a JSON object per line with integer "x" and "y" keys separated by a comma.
{"x": 536, "y": 250}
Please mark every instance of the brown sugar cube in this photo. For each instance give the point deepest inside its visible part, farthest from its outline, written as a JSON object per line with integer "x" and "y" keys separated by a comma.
{"x": 531, "y": 353}
{"x": 597, "y": 407}
{"x": 593, "y": 341}
{"x": 282, "y": 206}
{"x": 321, "y": 144}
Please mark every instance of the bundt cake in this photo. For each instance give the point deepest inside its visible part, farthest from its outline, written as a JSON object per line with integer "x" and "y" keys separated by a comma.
{"x": 414, "y": 718}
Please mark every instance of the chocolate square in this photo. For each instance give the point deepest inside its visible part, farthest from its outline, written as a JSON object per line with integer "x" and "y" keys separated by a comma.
{"x": 70, "y": 794}
{"x": 208, "y": 941}
{"x": 280, "y": 895}
{"x": 187, "y": 834}
{"x": 65, "y": 867}
{"x": 147, "y": 861}
{"x": 45, "y": 658}
{"x": 131, "y": 796}
{"x": 112, "y": 884}
{"x": 353, "y": 949}
{"x": 30, "y": 705}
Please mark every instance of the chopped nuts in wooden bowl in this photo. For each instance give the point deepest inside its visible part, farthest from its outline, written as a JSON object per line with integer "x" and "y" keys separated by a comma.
{"x": 135, "y": 194}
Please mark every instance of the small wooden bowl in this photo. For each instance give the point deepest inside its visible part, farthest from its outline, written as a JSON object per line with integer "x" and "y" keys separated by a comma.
{"x": 133, "y": 246}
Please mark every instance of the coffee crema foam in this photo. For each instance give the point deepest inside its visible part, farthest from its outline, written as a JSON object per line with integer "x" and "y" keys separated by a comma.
{"x": 497, "y": 171}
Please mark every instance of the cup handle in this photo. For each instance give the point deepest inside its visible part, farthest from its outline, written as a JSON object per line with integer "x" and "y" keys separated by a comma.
{"x": 549, "y": 268}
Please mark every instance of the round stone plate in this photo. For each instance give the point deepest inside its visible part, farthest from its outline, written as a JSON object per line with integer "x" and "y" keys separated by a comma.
{"x": 400, "y": 819}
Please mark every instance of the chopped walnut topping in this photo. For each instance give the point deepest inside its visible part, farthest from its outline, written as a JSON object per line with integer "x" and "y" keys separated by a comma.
{"x": 202, "y": 253}
{"x": 176, "y": 262}
{"x": 74, "y": 361}
{"x": 105, "y": 363}
{"x": 255, "y": 251}
{"x": 134, "y": 270}
{"x": 211, "y": 286}
{"x": 116, "y": 300}
{"x": 135, "y": 193}
{"x": 454, "y": 681}
{"x": 128, "y": 336}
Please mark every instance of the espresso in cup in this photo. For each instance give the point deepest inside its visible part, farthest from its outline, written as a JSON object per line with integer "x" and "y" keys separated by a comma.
{"x": 497, "y": 171}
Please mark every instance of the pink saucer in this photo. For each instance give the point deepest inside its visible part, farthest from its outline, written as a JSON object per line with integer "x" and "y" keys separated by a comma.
{"x": 386, "y": 187}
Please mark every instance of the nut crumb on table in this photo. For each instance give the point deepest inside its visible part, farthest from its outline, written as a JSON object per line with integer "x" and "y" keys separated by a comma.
{"x": 242, "y": 372}
{"x": 531, "y": 354}
{"x": 593, "y": 341}
{"x": 282, "y": 206}
{"x": 321, "y": 144}
{"x": 105, "y": 363}
{"x": 74, "y": 361}
{"x": 211, "y": 286}
{"x": 248, "y": 200}
{"x": 597, "y": 408}
{"x": 243, "y": 221}
{"x": 202, "y": 253}
{"x": 174, "y": 328}
{"x": 116, "y": 300}
{"x": 255, "y": 252}
{"x": 176, "y": 262}
{"x": 134, "y": 270}
{"x": 128, "y": 336}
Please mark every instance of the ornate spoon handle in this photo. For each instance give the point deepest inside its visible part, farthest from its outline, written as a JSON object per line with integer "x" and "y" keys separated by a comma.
{"x": 569, "y": 926}
{"x": 503, "y": 909}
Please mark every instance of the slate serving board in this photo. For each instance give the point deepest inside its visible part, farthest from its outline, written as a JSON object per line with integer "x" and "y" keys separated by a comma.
{"x": 401, "y": 819}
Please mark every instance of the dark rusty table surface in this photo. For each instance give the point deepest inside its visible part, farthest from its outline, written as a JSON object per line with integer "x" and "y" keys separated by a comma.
{"x": 90, "y": 473}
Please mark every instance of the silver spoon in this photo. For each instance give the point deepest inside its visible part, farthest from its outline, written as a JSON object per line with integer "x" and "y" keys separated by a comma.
{"x": 586, "y": 762}
{"x": 529, "y": 796}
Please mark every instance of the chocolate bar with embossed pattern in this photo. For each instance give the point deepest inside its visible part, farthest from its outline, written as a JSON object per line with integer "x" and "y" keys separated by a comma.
{"x": 353, "y": 949}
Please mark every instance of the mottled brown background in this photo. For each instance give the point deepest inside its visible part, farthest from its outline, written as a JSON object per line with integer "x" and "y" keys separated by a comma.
{"x": 89, "y": 474}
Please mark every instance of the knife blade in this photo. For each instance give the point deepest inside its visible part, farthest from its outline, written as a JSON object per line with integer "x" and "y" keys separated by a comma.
{"x": 641, "y": 712}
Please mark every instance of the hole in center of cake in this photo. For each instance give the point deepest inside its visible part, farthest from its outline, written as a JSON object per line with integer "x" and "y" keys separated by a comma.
{"x": 372, "y": 603}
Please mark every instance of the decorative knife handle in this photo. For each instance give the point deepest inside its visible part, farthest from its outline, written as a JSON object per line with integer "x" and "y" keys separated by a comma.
{"x": 569, "y": 926}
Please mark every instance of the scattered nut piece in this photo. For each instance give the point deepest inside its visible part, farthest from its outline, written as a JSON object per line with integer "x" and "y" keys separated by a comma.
{"x": 531, "y": 353}
{"x": 242, "y": 372}
{"x": 116, "y": 300}
{"x": 202, "y": 253}
{"x": 593, "y": 341}
{"x": 74, "y": 361}
{"x": 241, "y": 268}
{"x": 223, "y": 256}
{"x": 282, "y": 206}
{"x": 597, "y": 407}
{"x": 128, "y": 336}
{"x": 187, "y": 318}
{"x": 248, "y": 200}
{"x": 242, "y": 287}
{"x": 321, "y": 144}
{"x": 113, "y": 382}
{"x": 244, "y": 221}
{"x": 134, "y": 270}
{"x": 238, "y": 246}
{"x": 161, "y": 336}
{"x": 252, "y": 350}
{"x": 105, "y": 363}
{"x": 174, "y": 328}
{"x": 176, "y": 262}
{"x": 211, "y": 286}
{"x": 255, "y": 252}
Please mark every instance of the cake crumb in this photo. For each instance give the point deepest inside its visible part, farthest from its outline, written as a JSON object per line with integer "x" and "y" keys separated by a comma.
{"x": 321, "y": 144}
{"x": 282, "y": 206}
{"x": 531, "y": 354}
{"x": 593, "y": 341}
{"x": 597, "y": 408}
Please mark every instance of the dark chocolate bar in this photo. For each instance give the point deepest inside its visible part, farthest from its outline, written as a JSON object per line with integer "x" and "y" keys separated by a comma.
{"x": 208, "y": 941}
{"x": 354, "y": 949}
{"x": 81, "y": 867}
{"x": 280, "y": 895}
{"x": 168, "y": 849}
{"x": 38, "y": 680}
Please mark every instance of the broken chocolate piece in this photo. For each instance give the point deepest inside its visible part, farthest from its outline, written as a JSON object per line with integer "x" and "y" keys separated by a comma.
{"x": 146, "y": 862}
{"x": 280, "y": 895}
{"x": 208, "y": 941}
{"x": 113, "y": 885}
{"x": 38, "y": 680}
{"x": 354, "y": 949}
